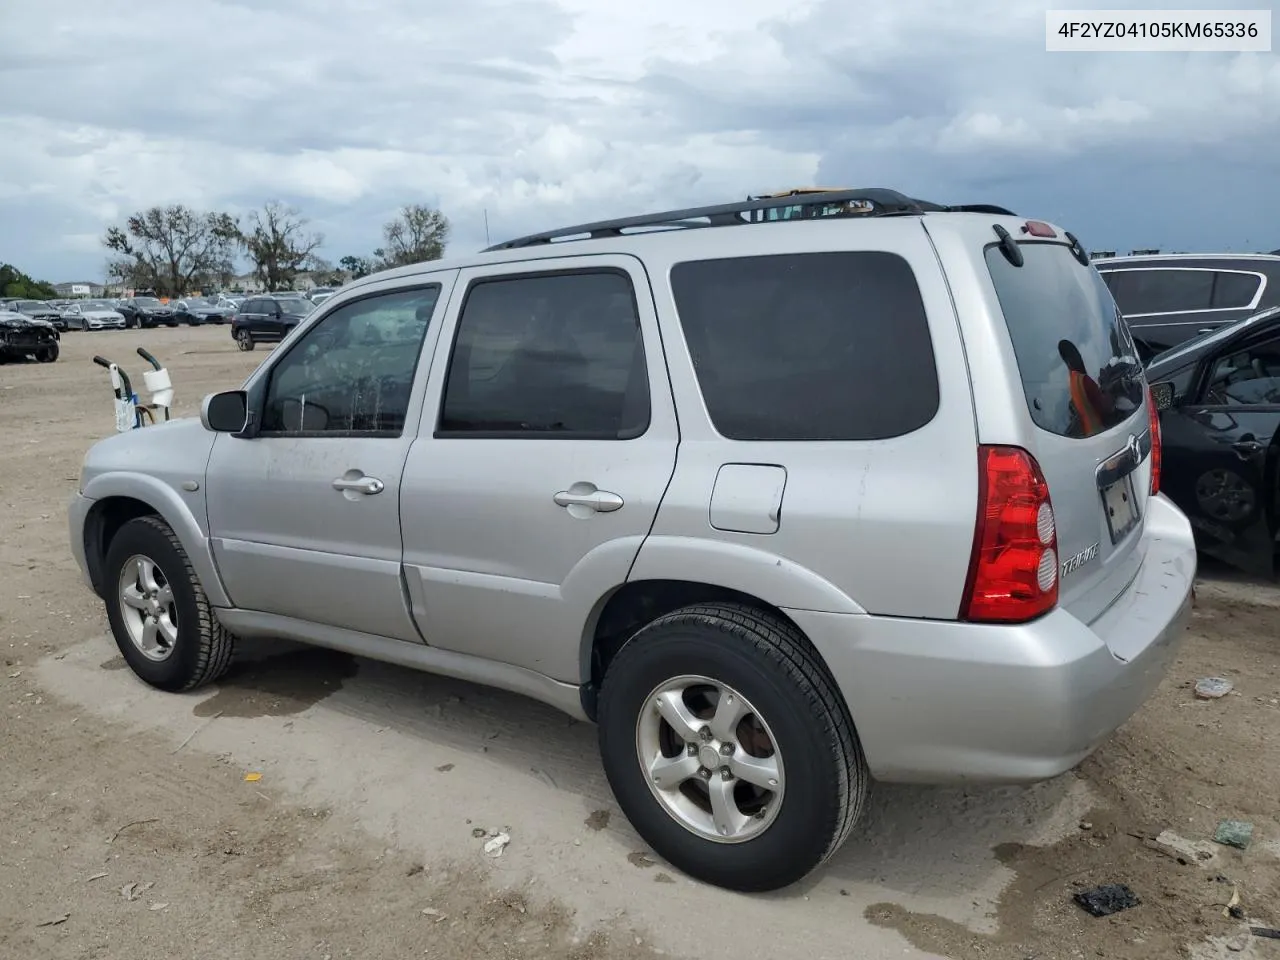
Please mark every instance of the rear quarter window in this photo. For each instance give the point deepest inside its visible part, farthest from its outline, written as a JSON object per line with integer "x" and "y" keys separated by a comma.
{"x": 1076, "y": 358}
{"x": 815, "y": 346}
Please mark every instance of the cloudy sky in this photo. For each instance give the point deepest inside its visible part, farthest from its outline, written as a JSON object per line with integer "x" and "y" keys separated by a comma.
{"x": 546, "y": 112}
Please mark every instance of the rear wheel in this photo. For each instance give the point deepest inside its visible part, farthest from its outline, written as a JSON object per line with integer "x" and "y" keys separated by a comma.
{"x": 244, "y": 339}
{"x": 729, "y": 748}
{"x": 160, "y": 617}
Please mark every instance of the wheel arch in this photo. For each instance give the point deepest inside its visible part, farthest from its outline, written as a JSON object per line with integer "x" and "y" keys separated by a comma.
{"x": 119, "y": 498}
{"x": 618, "y": 615}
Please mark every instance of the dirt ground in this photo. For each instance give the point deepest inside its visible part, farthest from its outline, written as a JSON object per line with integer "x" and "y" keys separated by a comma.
{"x": 129, "y": 828}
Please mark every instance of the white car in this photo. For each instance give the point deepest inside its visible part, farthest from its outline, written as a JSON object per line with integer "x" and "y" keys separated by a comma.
{"x": 95, "y": 315}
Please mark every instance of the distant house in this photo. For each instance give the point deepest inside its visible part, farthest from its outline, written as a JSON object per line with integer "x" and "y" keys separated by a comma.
{"x": 82, "y": 289}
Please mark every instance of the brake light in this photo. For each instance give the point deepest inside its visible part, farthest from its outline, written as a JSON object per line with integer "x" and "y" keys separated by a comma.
{"x": 1013, "y": 572}
{"x": 1154, "y": 416}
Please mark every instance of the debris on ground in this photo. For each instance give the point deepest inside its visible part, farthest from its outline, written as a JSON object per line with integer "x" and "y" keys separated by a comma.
{"x": 1107, "y": 899}
{"x": 1191, "y": 851}
{"x": 495, "y": 845}
{"x": 96, "y": 876}
{"x": 157, "y": 906}
{"x": 132, "y": 891}
{"x": 479, "y": 833}
{"x": 1232, "y": 909}
{"x": 252, "y": 777}
{"x": 1234, "y": 833}
{"x": 1213, "y": 688}
{"x": 434, "y": 914}
{"x": 1271, "y": 933}
{"x": 55, "y": 921}
{"x": 132, "y": 823}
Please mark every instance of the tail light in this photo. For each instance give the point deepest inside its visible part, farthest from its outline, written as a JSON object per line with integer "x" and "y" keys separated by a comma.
{"x": 1154, "y": 416}
{"x": 1013, "y": 572}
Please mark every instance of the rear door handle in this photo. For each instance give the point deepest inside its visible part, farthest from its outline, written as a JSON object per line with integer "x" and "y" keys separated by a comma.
{"x": 601, "y": 501}
{"x": 367, "y": 485}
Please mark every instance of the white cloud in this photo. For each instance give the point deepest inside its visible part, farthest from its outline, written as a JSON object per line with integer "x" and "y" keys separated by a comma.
{"x": 545, "y": 112}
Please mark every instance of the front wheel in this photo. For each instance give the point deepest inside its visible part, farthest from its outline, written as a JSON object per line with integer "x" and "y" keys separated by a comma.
{"x": 729, "y": 748}
{"x": 244, "y": 340}
{"x": 160, "y": 617}
{"x": 47, "y": 354}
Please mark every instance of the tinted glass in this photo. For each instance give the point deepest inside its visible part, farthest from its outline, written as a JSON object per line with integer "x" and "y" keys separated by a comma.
{"x": 147, "y": 302}
{"x": 353, "y": 371}
{"x": 1161, "y": 291}
{"x": 815, "y": 346}
{"x": 1234, "y": 290}
{"x": 1246, "y": 377}
{"x": 554, "y": 356}
{"x": 1079, "y": 368}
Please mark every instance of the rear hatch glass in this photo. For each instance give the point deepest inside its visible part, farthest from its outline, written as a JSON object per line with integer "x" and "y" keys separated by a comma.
{"x": 1085, "y": 390}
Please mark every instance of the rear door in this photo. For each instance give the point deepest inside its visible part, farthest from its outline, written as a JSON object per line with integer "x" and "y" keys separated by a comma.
{"x": 1221, "y": 452}
{"x": 1086, "y": 395}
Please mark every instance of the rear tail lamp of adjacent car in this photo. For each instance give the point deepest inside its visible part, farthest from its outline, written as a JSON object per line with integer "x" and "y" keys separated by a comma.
{"x": 1013, "y": 571}
{"x": 1153, "y": 415}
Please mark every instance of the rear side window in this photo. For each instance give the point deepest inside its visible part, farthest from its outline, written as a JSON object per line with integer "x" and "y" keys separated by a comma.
{"x": 1233, "y": 290}
{"x": 550, "y": 356}
{"x": 813, "y": 346}
{"x": 1161, "y": 290}
{"x": 1079, "y": 368}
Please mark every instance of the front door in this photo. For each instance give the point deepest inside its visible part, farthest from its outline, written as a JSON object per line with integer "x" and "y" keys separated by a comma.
{"x": 546, "y": 444}
{"x": 305, "y": 516}
{"x": 1221, "y": 454}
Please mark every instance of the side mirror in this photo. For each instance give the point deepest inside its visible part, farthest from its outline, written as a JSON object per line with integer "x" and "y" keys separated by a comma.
{"x": 226, "y": 412}
{"x": 1162, "y": 395}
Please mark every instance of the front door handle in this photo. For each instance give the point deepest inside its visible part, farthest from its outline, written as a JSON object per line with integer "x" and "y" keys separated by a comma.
{"x": 1247, "y": 448}
{"x": 585, "y": 495}
{"x": 367, "y": 485}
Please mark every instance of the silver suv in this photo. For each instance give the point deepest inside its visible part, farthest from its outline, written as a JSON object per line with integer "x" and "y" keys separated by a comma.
{"x": 782, "y": 505}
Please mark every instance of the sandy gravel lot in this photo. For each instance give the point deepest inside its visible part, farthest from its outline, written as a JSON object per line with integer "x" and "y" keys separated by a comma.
{"x": 129, "y": 829}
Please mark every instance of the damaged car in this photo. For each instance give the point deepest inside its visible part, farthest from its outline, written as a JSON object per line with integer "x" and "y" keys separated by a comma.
{"x": 23, "y": 337}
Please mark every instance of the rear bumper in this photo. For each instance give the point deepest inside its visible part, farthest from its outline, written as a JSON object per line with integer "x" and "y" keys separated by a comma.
{"x": 947, "y": 702}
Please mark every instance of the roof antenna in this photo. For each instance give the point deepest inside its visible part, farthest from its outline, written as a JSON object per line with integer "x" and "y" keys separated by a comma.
{"x": 486, "y": 226}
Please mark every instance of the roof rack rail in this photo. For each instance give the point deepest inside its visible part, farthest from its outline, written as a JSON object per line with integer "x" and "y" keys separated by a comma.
{"x": 883, "y": 203}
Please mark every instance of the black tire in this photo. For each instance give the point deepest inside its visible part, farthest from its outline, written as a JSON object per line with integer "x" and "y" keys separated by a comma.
{"x": 47, "y": 354}
{"x": 244, "y": 340}
{"x": 773, "y": 666}
{"x": 203, "y": 649}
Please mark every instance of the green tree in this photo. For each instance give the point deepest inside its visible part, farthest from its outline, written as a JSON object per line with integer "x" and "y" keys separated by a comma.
{"x": 172, "y": 250}
{"x": 15, "y": 283}
{"x": 418, "y": 233}
{"x": 279, "y": 245}
{"x": 356, "y": 266}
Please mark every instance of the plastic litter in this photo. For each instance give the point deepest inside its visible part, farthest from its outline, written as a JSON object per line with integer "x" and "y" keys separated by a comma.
{"x": 1213, "y": 688}
{"x": 252, "y": 777}
{"x": 1107, "y": 899}
{"x": 495, "y": 845}
{"x": 1234, "y": 833}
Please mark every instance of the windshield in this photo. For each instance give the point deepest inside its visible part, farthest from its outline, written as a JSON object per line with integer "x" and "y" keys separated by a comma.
{"x": 295, "y": 306}
{"x": 1080, "y": 372}
{"x": 197, "y": 302}
{"x": 147, "y": 302}
{"x": 97, "y": 305}
{"x": 30, "y": 306}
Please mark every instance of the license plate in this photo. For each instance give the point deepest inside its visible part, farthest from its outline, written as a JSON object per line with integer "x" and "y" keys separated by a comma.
{"x": 1121, "y": 507}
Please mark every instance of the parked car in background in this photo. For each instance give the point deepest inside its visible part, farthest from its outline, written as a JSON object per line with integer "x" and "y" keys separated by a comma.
{"x": 268, "y": 319}
{"x": 95, "y": 315}
{"x": 782, "y": 506}
{"x": 319, "y": 298}
{"x": 22, "y": 336}
{"x": 320, "y": 292}
{"x": 1219, "y": 400}
{"x": 195, "y": 311}
{"x": 1169, "y": 298}
{"x": 40, "y": 310}
{"x": 232, "y": 301}
{"x": 146, "y": 312}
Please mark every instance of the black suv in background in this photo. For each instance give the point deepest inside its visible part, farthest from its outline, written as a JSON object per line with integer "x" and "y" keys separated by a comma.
{"x": 146, "y": 312}
{"x": 1169, "y": 298}
{"x": 268, "y": 319}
